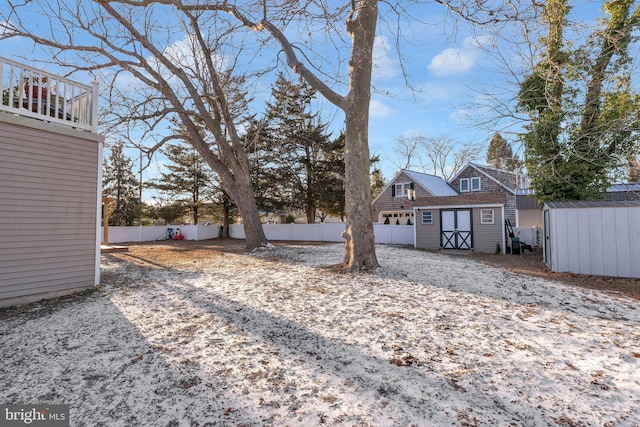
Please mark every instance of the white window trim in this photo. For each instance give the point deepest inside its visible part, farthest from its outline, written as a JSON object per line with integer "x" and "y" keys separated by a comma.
{"x": 431, "y": 217}
{"x": 402, "y": 193}
{"x": 484, "y": 219}
{"x": 466, "y": 180}
{"x": 471, "y": 186}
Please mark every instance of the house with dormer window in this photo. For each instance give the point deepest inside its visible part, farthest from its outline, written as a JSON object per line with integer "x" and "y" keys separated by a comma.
{"x": 480, "y": 179}
{"x": 394, "y": 205}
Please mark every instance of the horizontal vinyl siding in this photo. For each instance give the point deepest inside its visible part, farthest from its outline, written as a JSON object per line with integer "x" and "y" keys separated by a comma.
{"x": 428, "y": 235}
{"x": 486, "y": 237}
{"x": 48, "y": 202}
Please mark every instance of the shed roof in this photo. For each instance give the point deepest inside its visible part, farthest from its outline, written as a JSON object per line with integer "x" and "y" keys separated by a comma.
{"x": 629, "y": 186}
{"x": 584, "y": 204}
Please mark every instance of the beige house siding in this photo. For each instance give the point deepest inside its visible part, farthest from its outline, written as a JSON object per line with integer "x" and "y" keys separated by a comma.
{"x": 485, "y": 237}
{"x": 428, "y": 235}
{"x": 48, "y": 208}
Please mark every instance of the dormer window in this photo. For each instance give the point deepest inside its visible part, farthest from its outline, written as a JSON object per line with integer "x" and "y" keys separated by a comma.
{"x": 475, "y": 184}
{"x": 402, "y": 189}
{"x": 470, "y": 184}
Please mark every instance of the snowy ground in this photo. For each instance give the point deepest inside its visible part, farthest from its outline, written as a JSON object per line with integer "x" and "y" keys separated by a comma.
{"x": 276, "y": 339}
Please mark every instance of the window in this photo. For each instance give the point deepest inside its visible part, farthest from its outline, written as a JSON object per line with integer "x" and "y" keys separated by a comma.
{"x": 403, "y": 190}
{"x": 398, "y": 190}
{"x": 475, "y": 184}
{"x": 427, "y": 217}
{"x": 464, "y": 185}
{"x": 487, "y": 216}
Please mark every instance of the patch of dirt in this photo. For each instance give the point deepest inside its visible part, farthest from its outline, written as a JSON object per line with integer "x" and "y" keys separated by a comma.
{"x": 170, "y": 252}
{"x": 533, "y": 264}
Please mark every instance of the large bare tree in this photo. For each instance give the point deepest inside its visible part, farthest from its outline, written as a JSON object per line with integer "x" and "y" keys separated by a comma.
{"x": 344, "y": 79}
{"x": 441, "y": 156}
{"x": 188, "y": 79}
{"x": 360, "y": 20}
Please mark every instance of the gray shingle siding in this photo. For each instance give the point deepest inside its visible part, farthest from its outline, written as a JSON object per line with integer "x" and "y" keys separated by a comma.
{"x": 386, "y": 202}
{"x": 506, "y": 185}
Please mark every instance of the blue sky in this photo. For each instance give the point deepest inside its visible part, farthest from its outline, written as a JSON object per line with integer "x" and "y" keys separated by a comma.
{"x": 449, "y": 66}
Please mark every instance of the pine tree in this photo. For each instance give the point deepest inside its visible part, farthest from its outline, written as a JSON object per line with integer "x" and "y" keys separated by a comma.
{"x": 188, "y": 181}
{"x": 330, "y": 178}
{"x": 500, "y": 154}
{"x": 268, "y": 184}
{"x": 120, "y": 184}
{"x": 294, "y": 172}
{"x": 377, "y": 179}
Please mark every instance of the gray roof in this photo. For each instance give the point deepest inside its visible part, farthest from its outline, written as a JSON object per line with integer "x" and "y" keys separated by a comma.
{"x": 593, "y": 204}
{"x": 525, "y": 192}
{"x": 630, "y": 186}
{"x": 614, "y": 188}
{"x": 434, "y": 184}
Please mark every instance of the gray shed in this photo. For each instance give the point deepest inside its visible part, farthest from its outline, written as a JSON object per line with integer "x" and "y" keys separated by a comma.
{"x": 599, "y": 237}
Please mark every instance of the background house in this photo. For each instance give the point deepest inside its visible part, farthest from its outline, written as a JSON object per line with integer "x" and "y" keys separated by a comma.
{"x": 477, "y": 179}
{"x": 50, "y": 171}
{"x": 466, "y": 222}
{"x": 404, "y": 191}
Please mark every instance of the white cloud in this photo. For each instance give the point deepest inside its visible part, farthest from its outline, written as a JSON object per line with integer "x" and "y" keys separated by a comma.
{"x": 383, "y": 65}
{"x": 458, "y": 60}
{"x": 379, "y": 109}
{"x": 459, "y": 116}
{"x": 452, "y": 61}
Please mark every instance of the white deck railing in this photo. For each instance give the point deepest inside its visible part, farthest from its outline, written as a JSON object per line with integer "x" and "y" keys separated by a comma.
{"x": 31, "y": 92}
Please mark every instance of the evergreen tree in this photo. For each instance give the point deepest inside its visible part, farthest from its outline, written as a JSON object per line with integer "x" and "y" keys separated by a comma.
{"x": 299, "y": 167}
{"x": 330, "y": 178}
{"x": 377, "y": 179}
{"x": 188, "y": 181}
{"x": 269, "y": 185}
{"x": 582, "y": 109}
{"x": 120, "y": 184}
{"x": 500, "y": 154}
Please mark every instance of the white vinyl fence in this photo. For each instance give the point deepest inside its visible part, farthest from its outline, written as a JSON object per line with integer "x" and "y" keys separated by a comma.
{"x": 149, "y": 234}
{"x": 321, "y": 232}
{"x": 529, "y": 235}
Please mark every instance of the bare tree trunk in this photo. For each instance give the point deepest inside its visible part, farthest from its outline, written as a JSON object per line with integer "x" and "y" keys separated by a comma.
{"x": 358, "y": 235}
{"x": 254, "y": 233}
{"x": 360, "y": 251}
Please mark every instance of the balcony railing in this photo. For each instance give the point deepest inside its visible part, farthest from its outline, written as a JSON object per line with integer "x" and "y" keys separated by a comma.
{"x": 30, "y": 92}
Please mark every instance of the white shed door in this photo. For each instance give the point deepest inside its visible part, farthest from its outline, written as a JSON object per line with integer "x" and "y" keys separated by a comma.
{"x": 456, "y": 229}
